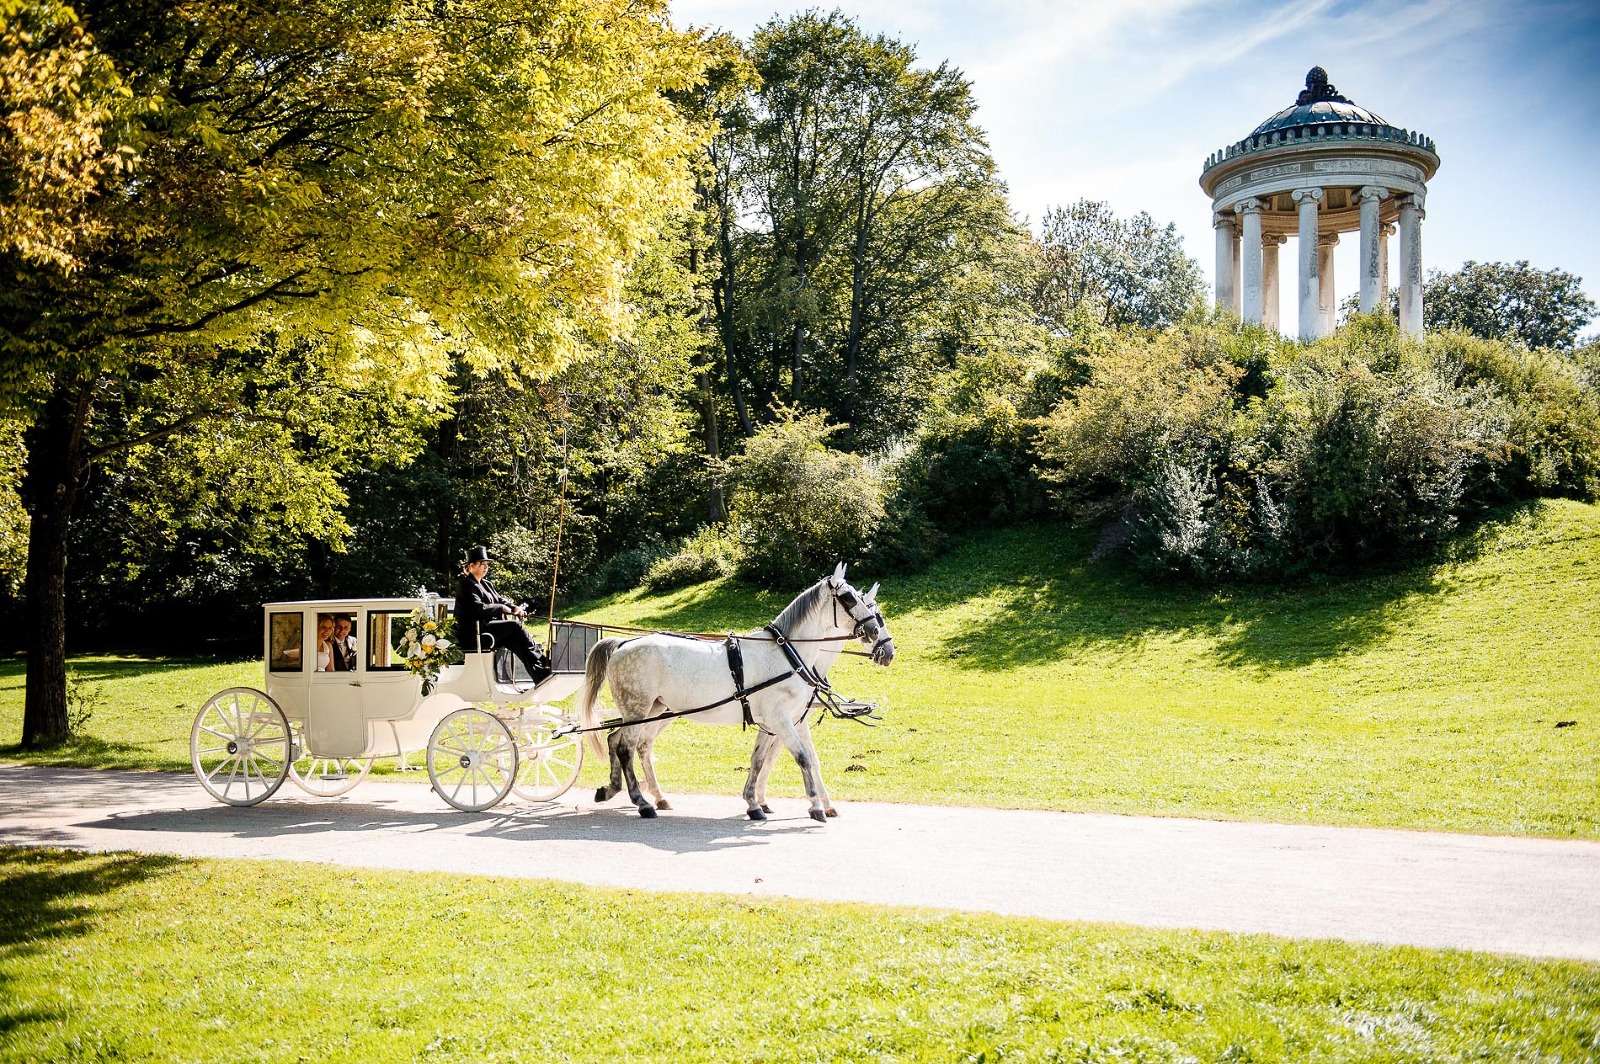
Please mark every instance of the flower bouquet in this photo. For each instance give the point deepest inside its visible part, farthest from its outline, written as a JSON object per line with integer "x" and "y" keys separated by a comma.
{"x": 426, "y": 644}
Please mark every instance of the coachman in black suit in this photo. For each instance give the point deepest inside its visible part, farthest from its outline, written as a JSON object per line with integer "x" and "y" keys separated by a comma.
{"x": 481, "y": 610}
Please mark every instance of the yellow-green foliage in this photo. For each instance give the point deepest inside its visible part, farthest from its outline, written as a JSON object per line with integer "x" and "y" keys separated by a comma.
{"x": 13, "y": 518}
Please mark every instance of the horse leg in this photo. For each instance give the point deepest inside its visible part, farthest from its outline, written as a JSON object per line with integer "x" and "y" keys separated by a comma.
{"x": 647, "y": 764}
{"x": 766, "y": 771}
{"x": 755, "y": 785}
{"x": 609, "y": 791}
{"x": 805, "y": 755}
{"x": 626, "y": 749}
{"x": 803, "y": 727}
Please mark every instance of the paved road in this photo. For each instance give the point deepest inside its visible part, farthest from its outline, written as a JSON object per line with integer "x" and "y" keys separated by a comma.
{"x": 1513, "y": 895}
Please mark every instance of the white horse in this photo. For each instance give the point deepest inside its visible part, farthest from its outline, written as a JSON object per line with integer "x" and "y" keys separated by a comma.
{"x": 656, "y": 679}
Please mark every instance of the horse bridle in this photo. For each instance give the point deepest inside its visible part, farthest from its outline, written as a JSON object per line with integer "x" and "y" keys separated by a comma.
{"x": 845, "y": 595}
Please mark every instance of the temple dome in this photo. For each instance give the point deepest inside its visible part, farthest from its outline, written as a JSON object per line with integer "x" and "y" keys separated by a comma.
{"x": 1318, "y": 102}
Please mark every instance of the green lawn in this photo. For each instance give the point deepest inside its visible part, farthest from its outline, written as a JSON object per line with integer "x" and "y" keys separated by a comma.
{"x": 138, "y": 958}
{"x": 1429, "y": 698}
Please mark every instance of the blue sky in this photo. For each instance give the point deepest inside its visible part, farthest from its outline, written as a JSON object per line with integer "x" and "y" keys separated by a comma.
{"x": 1122, "y": 100}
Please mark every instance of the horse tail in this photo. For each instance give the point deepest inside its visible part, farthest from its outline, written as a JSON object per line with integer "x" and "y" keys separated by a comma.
{"x": 594, "y": 677}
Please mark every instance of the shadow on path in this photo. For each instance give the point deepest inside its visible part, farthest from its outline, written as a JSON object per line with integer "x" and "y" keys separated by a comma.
{"x": 672, "y": 832}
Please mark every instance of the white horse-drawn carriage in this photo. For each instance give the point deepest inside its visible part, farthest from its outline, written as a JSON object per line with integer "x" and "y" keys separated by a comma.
{"x": 486, "y": 733}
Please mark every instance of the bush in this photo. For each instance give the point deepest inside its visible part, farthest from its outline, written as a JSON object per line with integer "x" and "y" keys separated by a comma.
{"x": 1552, "y": 408}
{"x": 1223, "y": 454}
{"x": 797, "y": 506}
{"x": 711, "y": 553}
{"x": 626, "y": 569}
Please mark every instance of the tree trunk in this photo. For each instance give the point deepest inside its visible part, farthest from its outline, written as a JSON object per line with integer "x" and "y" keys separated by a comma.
{"x": 716, "y": 512}
{"x": 50, "y": 489}
{"x": 797, "y": 371}
{"x": 716, "y": 507}
{"x": 858, "y": 308}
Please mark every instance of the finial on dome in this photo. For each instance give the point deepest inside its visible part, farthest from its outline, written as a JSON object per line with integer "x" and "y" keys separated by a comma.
{"x": 1318, "y": 89}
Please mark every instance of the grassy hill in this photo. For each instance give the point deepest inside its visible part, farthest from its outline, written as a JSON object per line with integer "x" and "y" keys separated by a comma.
{"x": 1464, "y": 695}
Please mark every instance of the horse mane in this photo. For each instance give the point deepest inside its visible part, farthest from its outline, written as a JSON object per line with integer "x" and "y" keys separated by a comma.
{"x": 801, "y": 607}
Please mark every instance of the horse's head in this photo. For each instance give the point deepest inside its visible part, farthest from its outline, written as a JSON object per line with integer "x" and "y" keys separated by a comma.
{"x": 867, "y": 620}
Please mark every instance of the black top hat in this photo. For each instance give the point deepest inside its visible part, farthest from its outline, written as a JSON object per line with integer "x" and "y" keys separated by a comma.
{"x": 476, "y": 554}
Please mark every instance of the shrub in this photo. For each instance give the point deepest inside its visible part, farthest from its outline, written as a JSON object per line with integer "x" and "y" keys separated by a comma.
{"x": 1552, "y": 411}
{"x": 1222, "y": 454}
{"x": 626, "y": 569}
{"x": 712, "y": 552}
{"x": 796, "y": 505}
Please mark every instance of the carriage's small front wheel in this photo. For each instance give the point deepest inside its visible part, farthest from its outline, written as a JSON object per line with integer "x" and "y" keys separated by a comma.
{"x": 472, "y": 760}
{"x": 325, "y": 777}
{"x": 239, "y": 746}
{"x": 547, "y": 764}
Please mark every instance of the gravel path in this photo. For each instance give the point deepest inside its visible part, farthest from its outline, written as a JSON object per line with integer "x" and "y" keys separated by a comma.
{"x": 1539, "y": 897}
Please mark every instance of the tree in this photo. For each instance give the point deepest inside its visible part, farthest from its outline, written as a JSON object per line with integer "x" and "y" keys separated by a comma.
{"x": 854, "y": 190}
{"x": 1496, "y": 301}
{"x": 1133, "y": 272}
{"x": 384, "y": 183}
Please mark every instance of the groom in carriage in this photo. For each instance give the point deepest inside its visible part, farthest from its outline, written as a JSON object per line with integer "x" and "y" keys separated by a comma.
{"x": 481, "y": 610}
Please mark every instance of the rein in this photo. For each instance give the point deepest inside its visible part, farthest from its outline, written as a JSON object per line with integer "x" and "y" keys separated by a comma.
{"x": 822, "y": 692}
{"x": 717, "y": 637}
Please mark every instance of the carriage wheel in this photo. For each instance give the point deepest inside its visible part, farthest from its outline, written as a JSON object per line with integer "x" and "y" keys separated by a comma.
{"x": 472, "y": 759}
{"x": 239, "y": 746}
{"x": 547, "y": 765}
{"x": 325, "y": 777}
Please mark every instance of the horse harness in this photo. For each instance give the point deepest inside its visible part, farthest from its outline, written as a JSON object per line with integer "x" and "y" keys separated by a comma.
{"x": 821, "y": 691}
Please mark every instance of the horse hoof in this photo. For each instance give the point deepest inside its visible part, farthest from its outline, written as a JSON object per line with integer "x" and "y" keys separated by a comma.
{"x": 662, "y": 804}
{"x": 765, "y": 808}
{"x": 755, "y": 814}
{"x": 600, "y": 794}
{"x": 646, "y": 812}
{"x": 819, "y": 816}
{"x": 831, "y": 811}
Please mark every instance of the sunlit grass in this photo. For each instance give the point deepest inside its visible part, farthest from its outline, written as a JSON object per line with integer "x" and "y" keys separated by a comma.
{"x": 1462, "y": 696}
{"x": 156, "y": 959}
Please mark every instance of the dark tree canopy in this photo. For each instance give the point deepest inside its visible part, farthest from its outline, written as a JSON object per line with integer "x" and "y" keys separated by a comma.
{"x": 1497, "y": 301}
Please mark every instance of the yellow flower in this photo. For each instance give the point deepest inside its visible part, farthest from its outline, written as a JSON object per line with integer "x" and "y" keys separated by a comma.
{"x": 431, "y": 626}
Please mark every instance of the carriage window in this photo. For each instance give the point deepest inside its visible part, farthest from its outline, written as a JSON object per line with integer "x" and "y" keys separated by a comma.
{"x": 285, "y": 632}
{"x": 384, "y": 630}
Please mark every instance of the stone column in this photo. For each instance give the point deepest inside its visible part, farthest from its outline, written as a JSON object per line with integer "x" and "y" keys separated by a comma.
{"x": 1385, "y": 231}
{"x": 1371, "y": 197}
{"x": 1310, "y": 287}
{"x": 1250, "y": 261}
{"x": 1327, "y": 302}
{"x": 1269, "y": 281}
{"x": 1227, "y": 263}
{"x": 1411, "y": 216}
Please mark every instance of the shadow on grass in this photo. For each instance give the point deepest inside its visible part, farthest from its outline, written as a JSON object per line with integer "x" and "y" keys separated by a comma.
{"x": 85, "y": 751}
{"x": 47, "y": 896}
{"x": 1043, "y": 600}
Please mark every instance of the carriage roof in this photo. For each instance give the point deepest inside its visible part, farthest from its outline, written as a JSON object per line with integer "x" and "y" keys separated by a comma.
{"x": 341, "y": 605}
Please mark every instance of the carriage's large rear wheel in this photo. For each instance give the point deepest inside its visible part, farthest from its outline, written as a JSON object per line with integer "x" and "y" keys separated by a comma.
{"x": 547, "y": 764}
{"x": 472, "y": 760}
{"x": 240, "y": 746}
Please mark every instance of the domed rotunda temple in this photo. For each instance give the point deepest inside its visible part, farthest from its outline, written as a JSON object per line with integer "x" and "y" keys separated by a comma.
{"x": 1318, "y": 168}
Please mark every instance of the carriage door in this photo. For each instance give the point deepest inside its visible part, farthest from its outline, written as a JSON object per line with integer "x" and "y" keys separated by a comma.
{"x": 336, "y": 725}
